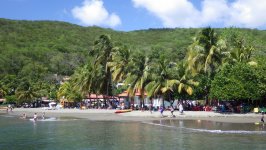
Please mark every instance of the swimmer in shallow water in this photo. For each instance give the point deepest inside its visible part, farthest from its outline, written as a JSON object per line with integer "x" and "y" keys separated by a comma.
{"x": 24, "y": 116}
{"x": 43, "y": 114}
{"x": 35, "y": 117}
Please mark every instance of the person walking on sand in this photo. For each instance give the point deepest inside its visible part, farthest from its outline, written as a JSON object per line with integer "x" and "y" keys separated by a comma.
{"x": 150, "y": 108}
{"x": 172, "y": 111}
{"x": 161, "y": 111}
{"x": 262, "y": 118}
{"x": 181, "y": 108}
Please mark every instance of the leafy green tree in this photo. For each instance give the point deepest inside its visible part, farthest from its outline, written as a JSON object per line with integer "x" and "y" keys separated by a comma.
{"x": 11, "y": 99}
{"x": 10, "y": 84}
{"x": 52, "y": 91}
{"x": 199, "y": 91}
{"x": 3, "y": 90}
{"x": 261, "y": 74}
{"x": 238, "y": 82}
{"x": 34, "y": 71}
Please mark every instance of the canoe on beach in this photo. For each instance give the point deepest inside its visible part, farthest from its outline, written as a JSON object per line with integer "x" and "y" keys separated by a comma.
{"x": 123, "y": 111}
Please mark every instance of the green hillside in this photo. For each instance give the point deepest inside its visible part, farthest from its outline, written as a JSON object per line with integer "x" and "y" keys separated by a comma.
{"x": 61, "y": 47}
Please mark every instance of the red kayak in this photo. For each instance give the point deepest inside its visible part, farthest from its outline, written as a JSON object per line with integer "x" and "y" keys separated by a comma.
{"x": 123, "y": 111}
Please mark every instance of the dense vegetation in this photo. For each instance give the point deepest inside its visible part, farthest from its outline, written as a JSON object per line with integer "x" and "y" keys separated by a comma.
{"x": 172, "y": 63}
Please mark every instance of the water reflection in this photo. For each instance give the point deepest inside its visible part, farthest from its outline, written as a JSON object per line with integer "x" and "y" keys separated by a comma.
{"x": 114, "y": 135}
{"x": 212, "y": 126}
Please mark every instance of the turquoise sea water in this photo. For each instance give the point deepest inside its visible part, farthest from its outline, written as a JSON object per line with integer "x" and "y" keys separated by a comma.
{"x": 62, "y": 133}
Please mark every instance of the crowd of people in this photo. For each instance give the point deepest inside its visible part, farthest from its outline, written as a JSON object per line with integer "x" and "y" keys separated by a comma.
{"x": 35, "y": 116}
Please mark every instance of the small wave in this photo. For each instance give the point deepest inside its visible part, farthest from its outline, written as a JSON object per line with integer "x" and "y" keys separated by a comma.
{"x": 49, "y": 119}
{"x": 55, "y": 119}
{"x": 162, "y": 125}
{"x": 227, "y": 131}
{"x": 210, "y": 131}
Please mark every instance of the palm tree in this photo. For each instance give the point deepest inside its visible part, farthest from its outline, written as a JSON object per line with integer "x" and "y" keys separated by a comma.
{"x": 103, "y": 49}
{"x": 67, "y": 91}
{"x": 240, "y": 52}
{"x": 28, "y": 90}
{"x": 137, "y": 78}
{"x": 83, "y": 79}
{"x": 161, "y": 78}
{"x": 206, "y": 55}
{"x": 26, "y": 95}
{"x": 64, "y": 89}
{"x": 183, "y": 82}
{"x": 119, "y": 64}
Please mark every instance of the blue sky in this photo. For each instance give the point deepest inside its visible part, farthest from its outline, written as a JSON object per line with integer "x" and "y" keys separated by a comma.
{"x": 127, "y": 15}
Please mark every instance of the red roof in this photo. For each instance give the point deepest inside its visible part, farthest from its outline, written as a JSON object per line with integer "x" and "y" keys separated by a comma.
{"x": 124, "y": 94}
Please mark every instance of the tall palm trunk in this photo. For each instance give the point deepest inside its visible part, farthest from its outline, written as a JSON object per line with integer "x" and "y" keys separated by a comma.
{"x": 132, "y": 102}
{"x": 142, "y": 98}
{"x": 161, "y": 97}
{"x": 151, "y": 101}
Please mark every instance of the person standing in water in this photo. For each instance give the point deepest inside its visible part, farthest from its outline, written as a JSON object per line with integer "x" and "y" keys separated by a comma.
{"x": 43, "y": 114}
{"x": 35, "y": 117}
{"x": 24, "y": 116}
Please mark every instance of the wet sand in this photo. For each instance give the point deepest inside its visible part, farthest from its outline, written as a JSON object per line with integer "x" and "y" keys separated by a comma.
{"x": 109, "y": 115}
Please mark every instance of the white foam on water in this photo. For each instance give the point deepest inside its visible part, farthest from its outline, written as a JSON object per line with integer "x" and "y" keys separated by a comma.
{"x": 210, "y": 131}
{"x": 49, "y": 119}
{"x": 32, "y": 119}
{"x": 55, "y": 119}
{"x": 227, "y": 131}
{"x": 162, "y": 125}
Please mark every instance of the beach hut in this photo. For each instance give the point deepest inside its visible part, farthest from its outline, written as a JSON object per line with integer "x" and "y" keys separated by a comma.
{"x": 99, "y": 101}
{"x": 65, "y": 103}
{"x": 133, "y": 101}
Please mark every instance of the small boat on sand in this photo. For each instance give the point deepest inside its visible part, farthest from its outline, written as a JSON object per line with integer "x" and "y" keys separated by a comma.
{"x": 123, "y": 111}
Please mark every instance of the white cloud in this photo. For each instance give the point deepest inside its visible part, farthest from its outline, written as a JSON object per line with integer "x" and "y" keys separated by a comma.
{"x": 183, "y": 13}
{"x": 248, "y": 13}
{"x": 172, "y": 12}
{"x": 93, "y": 12}
{"x": 213, "y": 11}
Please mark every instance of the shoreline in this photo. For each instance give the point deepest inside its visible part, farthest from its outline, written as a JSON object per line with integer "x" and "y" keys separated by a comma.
{"x": 109, "y": 115}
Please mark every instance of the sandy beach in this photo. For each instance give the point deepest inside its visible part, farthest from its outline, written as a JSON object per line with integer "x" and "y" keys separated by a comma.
{"x": 109, "y": 115}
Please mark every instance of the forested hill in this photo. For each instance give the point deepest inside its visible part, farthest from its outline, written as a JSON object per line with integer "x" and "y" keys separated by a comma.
{"x": 59, "y": 47}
